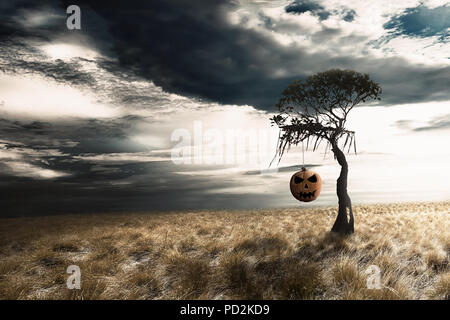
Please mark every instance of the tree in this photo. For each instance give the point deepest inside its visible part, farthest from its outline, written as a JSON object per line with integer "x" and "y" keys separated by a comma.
{"x": 317, "y": 109}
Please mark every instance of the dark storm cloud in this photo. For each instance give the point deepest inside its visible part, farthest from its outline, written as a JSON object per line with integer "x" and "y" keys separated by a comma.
{"x": 405, "y": 83}
{"x": 193, "y": 50}
{"x": 190, "y": 48}
{"x": 348, "y": 14}
{"x": 20, "y": 58}
{"x": 421, "y": 22}
{"x": 119, "y": 187}
{"x": 93, "y": 136}
{"x": 302, "y": 6}
{"x": 25, "y": 23}
{"x": 58, "y": 70}
{"x": 316, "y": 9}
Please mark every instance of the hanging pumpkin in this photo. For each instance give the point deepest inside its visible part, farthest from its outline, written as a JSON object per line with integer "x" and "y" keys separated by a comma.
{"x": 306, "y": 185}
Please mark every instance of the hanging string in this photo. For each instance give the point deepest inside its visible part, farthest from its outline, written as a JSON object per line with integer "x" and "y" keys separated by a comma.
{"x": 303, "y": 153}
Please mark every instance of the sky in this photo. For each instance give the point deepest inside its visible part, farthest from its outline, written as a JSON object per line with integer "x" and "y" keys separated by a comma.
{"x": 165, "y": 105}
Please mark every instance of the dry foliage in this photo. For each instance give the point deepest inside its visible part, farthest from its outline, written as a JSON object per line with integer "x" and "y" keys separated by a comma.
{"x": 260, "y": 254}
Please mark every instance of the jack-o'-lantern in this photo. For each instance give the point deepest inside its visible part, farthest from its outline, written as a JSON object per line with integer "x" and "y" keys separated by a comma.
{"x": 305, "y": 185}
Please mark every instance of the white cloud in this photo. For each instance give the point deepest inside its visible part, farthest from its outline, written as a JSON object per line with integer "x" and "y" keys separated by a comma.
{"x": 22, "y": 161}
{"x": 26, "y": 169}
{"x": 39, "y": 98}
{"x": 367, "y": 26}
{"x": 65, "y": 51}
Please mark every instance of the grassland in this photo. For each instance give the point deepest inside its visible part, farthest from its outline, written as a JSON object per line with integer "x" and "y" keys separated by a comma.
{"x": 260, "y": 254}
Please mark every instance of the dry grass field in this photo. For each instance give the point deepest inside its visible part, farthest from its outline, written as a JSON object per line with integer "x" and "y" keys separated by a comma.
{"x": 260, "y": 254}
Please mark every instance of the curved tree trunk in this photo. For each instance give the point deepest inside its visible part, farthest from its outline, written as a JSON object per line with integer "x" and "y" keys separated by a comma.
{"x": 344, "y": 221}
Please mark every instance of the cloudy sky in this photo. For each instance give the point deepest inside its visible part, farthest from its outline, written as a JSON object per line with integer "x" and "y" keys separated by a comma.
{"x": 92, "y": 120}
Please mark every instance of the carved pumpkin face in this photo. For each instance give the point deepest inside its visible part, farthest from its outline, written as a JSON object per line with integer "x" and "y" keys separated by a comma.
{"x": 306, "y": 185}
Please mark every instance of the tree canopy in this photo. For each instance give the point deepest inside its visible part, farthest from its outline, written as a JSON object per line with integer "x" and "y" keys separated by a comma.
{"x": 319, "y": 106}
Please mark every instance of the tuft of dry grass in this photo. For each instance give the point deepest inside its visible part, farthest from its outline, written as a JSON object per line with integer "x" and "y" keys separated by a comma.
{"x": 441, "y": 289}
{"x": 303, "y": 281}
{"x": 253, "y": 254}
{"x": 188, "y": 276}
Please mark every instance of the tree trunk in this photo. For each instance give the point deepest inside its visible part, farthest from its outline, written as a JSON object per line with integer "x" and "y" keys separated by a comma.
{"x": 344, "y": 220}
